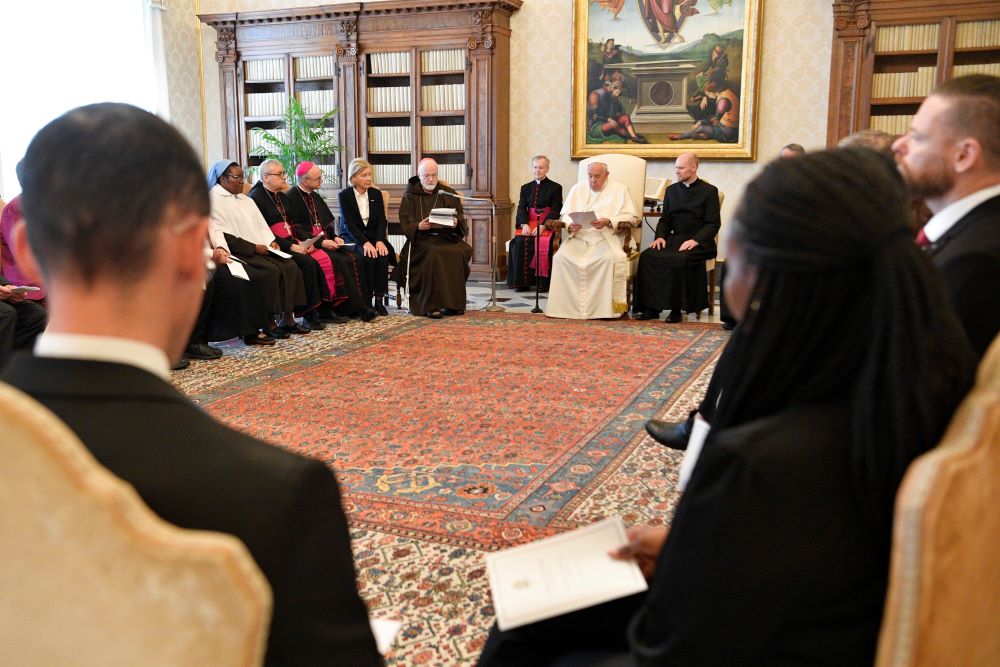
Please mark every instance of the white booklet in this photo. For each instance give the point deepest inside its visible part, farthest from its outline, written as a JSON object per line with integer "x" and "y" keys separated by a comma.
{"x": 385, "y": 631}
{"x": 442, "y": 216}
{"x": 560, "y": 574}
{"x": 582, "y": 218}
{"x": 279, "y": 253}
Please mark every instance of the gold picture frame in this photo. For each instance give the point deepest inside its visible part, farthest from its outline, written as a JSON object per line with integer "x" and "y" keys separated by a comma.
{"x": 656, "y": 78}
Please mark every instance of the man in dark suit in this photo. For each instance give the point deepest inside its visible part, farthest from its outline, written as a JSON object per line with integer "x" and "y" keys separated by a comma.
{"x": 538, "y": 210}
{"x": 951, "y": 158}
{"x": 124, "y": 259}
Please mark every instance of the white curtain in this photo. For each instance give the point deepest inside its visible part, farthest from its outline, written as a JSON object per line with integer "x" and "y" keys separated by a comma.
{"x": 65, "y": 53}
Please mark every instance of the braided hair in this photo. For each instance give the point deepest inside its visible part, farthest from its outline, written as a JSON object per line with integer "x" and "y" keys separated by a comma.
{"x": 845, "y": 309}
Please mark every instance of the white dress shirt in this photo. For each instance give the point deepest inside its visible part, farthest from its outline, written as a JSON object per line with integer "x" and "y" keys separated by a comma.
{"x": 946, "y": 218}
{"x": 362, "y": 198}
{"x": 104, "y": 348}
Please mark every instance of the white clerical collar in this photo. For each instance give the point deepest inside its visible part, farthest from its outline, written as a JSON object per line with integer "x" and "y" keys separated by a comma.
{"x": 946, "y": 218}
{"x": 539, "y": 182}
{"x": 104, "y": 348}
{"x": 687, "y": 185}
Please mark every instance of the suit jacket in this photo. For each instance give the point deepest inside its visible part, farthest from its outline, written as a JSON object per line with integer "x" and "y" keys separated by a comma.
{"x": 196, "y": 473}
{"x": 550, "y": 194}
{"x": 968, "y": 256}
{"x": 302, "y": 221}
{"x": 353, "y": 229}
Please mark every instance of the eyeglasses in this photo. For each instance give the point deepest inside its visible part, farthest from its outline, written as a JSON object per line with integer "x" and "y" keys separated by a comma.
{"x": 234, "y": 178}
{"x": 279, "y": 174}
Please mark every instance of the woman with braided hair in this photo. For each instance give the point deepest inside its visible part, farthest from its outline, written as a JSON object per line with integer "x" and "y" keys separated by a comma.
{"x": 846, "y": 365}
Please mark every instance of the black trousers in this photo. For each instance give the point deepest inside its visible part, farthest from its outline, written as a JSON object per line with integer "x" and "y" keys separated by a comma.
{"x": 20, "y": 324}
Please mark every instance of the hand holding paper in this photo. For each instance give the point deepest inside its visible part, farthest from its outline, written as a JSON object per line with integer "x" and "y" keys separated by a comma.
{"x": 561, "y": 574}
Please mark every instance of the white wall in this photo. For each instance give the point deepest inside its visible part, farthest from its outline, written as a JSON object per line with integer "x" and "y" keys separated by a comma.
{"x": 794, "y": 87}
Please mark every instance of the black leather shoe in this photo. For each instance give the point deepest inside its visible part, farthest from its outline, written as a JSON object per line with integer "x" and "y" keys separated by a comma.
{"x": 674, "y": 317}
{"x": 368, "y": 314}
{"x": 647, "y": 315}
{"x": 314, "y": 322}
{"x": 259, "y": 339}
{"x": 380, "y": 309}
{"x": 451, "y": 311}
{"x": 295, "y": 328}
{"x": 729, "y": 325}
{"x": 434, "y": 315}
{"x": 673, "y": 435}
{"x": 201, "y": 351}
{"x": 181, "y": 364}
{"x": 215, "y": 350}
{"x": 276, "y": 333}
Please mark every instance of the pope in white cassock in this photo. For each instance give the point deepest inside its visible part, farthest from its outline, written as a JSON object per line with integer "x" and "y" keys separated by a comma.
{"x": 590, "y": 271}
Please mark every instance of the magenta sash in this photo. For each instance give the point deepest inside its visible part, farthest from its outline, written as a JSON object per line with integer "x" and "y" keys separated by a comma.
{"x": 283, "y": 230}
{"x": 540, "y": 260}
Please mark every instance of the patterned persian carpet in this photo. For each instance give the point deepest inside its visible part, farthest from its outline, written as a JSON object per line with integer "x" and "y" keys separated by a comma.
{"x": 456, "y": 437}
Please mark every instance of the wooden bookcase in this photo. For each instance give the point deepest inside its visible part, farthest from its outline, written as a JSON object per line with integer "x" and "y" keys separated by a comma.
{"x": 889, "y": 54}
{"x": 409, "y": 79}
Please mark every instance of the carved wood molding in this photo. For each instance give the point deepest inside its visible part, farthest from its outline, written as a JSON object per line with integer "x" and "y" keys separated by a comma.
{"x": 851, "y": 17}
{"x": 225, "y": 45}
{"x": 482, "y": 42}
{"x": 347, "y": 38}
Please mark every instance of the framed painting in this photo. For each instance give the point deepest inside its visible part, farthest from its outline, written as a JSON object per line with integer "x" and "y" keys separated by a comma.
{"x": 656, "y": 78}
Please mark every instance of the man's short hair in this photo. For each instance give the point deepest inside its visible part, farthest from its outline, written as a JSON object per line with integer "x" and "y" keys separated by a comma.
{"x": 541, "y": 157}
{"x": 798, "y": 149}
{"x": 877, "y": 140}
{"x": 99, "y": 182}
{"x": 975, "y": 111}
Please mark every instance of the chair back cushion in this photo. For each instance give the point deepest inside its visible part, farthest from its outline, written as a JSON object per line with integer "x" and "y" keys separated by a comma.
{"x": 943, "y": 606}
{"x": 90, "y": 576}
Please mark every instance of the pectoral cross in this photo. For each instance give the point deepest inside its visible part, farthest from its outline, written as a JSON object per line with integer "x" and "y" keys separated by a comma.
{"x": 288, "y": 229}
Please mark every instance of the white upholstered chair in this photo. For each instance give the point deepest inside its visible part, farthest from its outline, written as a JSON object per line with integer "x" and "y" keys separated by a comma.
{"x": 631, "y": 171}
{"x": 943, "y": 605}
{"x": 90, "y": 576}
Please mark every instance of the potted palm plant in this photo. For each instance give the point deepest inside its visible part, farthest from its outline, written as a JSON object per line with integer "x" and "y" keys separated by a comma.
{"x": 299, "y": 138}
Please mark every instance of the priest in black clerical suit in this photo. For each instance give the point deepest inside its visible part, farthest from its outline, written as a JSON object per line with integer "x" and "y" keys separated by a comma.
{"x": 671, "y": 273}
{"x": 108, "y": 378}
{"x": 310, "y": 215}
{"x": 538, "y": 194}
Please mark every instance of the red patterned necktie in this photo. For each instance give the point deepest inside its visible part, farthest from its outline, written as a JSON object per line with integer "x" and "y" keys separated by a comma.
{"x": 922, "y": 241}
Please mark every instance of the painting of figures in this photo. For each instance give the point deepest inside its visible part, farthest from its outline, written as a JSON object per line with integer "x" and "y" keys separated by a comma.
{"x": 656, "y": 78}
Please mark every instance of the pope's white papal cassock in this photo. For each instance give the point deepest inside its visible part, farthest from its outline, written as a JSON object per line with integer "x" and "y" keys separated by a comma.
{"x": 590, "y": 271}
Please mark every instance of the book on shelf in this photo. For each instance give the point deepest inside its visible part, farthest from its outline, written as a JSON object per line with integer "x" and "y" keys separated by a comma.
{"x": 390, "y": 63}
{"x": 391, "y": 174}
{"x": 446, "y": 97}
{"x": 922, "y": 37}
{"x": 389, "y": 100}
{"x": 446, "y": 60}
{"x": 443, "y": 138}
{"x": 265, "y": 104}
{"x": 904, "y": 84}
{"x": 314, "y": 67}
{"x": 316, "y": 102}
{"x": 892, "y": 124}
{"x": 977, "y": 34}
{"x": 993, "y": 69}
{"x": 395, "y": 138}
{"x": 269, "y": 69}
{"x": 452, "y": 174}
